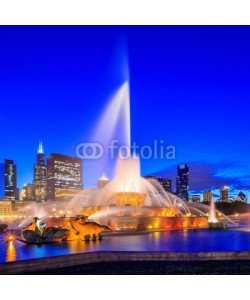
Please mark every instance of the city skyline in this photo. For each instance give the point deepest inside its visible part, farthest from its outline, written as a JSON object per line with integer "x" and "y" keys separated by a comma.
{"x": 53, "y": 77}
{"x": 43, "y": 170}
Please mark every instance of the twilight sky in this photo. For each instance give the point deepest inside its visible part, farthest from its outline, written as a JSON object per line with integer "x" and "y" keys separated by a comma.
{"x": 190, "y": 86}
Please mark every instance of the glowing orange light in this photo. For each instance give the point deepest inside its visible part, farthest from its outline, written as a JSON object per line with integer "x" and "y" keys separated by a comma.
{"x": 10, "y": 237}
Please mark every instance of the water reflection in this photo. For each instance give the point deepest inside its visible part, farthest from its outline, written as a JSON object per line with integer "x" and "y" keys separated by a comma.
{"x": 187, "y": 240}
{"x": 155, "y": 238}
{"x": 78, "y": 246}
{"x": 11, "y": 252}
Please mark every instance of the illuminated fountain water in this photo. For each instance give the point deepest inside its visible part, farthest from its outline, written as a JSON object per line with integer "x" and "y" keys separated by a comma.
{"x": 130, "y": 197}
{"x": 212, "y": 212}
{"x": 116, "y": 114}
{"x": 129, "y": 201}
{"x": 127, "y": 179}
{"x": 114, "y": 124}
{"x": 214, "y": 216}
{"x": 35, "y": 210}
{"x": 144, "y": 192}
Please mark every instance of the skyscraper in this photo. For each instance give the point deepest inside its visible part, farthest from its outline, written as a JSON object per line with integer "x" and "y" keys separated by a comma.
{"x": 242, "y": 197}
{"x": 207, "y": 196}
{"x": 40, "y": 176}
{"x": 64, "y": 176}
{"x": 28, "y": 192}
{"x": 182, "y": 182}
{"x": 10, "y": 182}
{"x": 164, "y": 182}
{"x": 224, "y": 194}
{"x": 103, "y": 181}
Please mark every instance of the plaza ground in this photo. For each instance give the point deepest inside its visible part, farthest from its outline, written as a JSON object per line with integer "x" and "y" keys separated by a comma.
{"x": 132, "y": 263}
{"x": 221, "y": 267}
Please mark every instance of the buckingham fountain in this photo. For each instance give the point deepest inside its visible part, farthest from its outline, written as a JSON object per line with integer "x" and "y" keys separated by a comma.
{"x": 128, "y": 202}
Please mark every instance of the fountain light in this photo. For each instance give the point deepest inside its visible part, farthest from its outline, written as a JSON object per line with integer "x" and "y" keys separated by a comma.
{"x": 9, "y": 238}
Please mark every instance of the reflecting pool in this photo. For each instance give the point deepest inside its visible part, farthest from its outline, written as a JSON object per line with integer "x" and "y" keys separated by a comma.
{"x": 234, "y": 239}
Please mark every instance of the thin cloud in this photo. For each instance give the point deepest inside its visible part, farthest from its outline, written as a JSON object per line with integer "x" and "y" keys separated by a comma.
{"x": 204, "y": 175}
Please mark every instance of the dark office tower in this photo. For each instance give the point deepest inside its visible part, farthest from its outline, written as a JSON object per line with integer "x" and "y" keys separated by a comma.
{"x": 64, "y": 176}
{"x": 164, "y": 182}
{"x": 10, "y": 182}
{"x": 40, "y": 176}
{"x": 1, "y": 181}
{"x": 182, "y": 182}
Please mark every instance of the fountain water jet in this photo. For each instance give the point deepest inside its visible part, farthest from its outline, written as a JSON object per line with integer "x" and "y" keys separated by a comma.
{"x": 114, "y": 124}
{"x": 35, "y": 209}
{"x": 118, "y": 110}
{"x": 203, "y": 209}
{"x": 212, "y": 212}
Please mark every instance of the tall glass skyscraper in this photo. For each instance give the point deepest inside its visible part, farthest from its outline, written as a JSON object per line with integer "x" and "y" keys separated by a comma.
{"x": 64, "y": 176}
{"x": 40, "y": 176}
{"x": 182, "y": 182}
{"x": 10, "y": 182}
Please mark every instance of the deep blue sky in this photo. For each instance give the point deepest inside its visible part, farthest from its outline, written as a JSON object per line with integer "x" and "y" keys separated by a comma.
{"x": 190, "y": 86}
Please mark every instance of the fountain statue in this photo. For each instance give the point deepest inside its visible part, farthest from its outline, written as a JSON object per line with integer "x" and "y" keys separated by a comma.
{"x": 61, "y": 229}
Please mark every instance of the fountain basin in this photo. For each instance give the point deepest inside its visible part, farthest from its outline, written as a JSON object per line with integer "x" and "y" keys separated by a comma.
{"x": 129, "y": 218}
